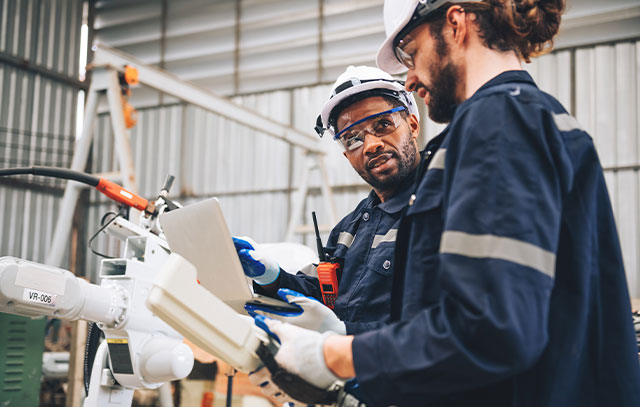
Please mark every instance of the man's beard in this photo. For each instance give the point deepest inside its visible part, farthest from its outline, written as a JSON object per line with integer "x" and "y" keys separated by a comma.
{"x": 445, "y": 79}
{"x": 405, "y": 158}
{"x": 442, "y": 96}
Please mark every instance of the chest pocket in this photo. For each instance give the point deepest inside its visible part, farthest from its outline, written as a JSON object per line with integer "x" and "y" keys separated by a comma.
{"x": 425, "y": 219}
{"x": 429, "y": 194}
{"x": 381, "y": 259}
{"x": 426, "y": 213}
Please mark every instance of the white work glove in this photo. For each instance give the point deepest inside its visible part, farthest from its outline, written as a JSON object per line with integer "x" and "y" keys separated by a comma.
{"x": 261, "y": 268}
{"x": 313, "y": 314}
{"x": 301, "y": 352}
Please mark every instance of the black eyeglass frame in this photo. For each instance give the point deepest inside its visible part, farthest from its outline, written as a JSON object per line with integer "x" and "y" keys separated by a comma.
{"x": 424, "y": 13}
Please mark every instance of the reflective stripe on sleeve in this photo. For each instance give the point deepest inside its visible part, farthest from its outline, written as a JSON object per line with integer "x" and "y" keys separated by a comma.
{"x": 437, "y": 162}
{"x": 566, "y": 122}
{"x": 496, "y": 247}
{"x": 390, "y": 236}
{"x": 345, "y": 238}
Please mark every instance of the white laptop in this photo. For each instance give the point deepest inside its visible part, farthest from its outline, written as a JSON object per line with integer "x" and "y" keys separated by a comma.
{"x": 199, "y": 233}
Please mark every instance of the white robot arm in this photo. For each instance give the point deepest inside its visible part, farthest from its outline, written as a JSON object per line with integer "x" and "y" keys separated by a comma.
{"x": 140, "y": 350}
{"x": 34, "y": 289}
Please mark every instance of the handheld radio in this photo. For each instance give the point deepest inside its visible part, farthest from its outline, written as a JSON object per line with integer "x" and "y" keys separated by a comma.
{"x": 327, "y": 271}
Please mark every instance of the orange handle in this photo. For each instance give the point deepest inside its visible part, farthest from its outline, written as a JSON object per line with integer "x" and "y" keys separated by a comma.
{"x": 119, "y": 194}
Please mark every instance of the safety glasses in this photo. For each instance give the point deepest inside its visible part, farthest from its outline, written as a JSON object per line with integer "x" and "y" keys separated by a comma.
{"x": 379, "y": 125}
{"x": 427, "y": 11}
{"x": 405, "y": 51}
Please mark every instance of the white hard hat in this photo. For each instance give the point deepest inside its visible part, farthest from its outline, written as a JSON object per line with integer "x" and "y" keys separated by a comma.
{"x": 358, "y": 79}
{"x": 404, "y": 15}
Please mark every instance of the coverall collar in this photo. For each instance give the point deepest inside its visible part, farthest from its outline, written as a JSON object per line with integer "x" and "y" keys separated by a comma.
{"x": 398, "y": 201}
{"x": 507, "y": 77}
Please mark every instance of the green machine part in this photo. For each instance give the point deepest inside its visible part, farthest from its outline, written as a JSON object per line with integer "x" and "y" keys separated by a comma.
{"x": 21, "y": 347}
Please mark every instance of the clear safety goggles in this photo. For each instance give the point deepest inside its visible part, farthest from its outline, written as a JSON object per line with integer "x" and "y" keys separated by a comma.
{"x": 405, "y": 50}
{"x": 426, "y": 11}
{"x": 379, "y": 125}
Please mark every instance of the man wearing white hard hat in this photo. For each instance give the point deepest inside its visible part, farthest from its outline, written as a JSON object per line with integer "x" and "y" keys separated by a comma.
{"x": 376, "y": 122}
{"x": 512, "y": 286}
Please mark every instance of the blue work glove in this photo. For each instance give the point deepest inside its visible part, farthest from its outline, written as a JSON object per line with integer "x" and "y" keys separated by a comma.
{"x": 313, "y": 314}
{"x": 262, "y": 269}
{"x": 301, "y": 351}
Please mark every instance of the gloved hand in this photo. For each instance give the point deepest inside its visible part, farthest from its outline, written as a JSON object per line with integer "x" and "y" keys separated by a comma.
{"x": 301, "y": 351}
{"x": 262, "y": 379}
{"x": 262, "y": 269}
{"x": 313, "y": 314}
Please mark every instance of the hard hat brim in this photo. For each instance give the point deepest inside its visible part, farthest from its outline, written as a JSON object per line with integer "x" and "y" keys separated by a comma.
{"x": 386, "y": 58}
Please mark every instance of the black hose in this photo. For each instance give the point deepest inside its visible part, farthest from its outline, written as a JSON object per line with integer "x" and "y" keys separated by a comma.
{"x": 53, "y": 172}
{"x": 103, "y": 227}
{"x": 93, "y": 341}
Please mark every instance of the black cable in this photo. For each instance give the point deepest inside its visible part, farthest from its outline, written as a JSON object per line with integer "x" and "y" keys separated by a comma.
{"x": 104, "y": 217}
{"x": 103, "y": 227}
{"x": 53, "y": 172}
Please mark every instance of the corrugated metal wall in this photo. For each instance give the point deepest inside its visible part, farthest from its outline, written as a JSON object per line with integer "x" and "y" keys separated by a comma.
{"x": 39, "y": 45}
{"x": 247, "y": 46}
{"x": 244, "y": 46}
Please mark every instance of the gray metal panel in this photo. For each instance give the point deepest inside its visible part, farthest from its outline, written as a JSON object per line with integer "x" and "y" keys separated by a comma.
{"x": 292, "y": 43}
{"x": 37, "y": 116}
{"x": 589, "y": 22}
{"x": 45, "y": 33}
{"x": 277, "y": 40}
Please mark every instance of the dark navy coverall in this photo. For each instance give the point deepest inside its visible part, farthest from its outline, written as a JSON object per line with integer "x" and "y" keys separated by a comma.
{"x": 366, "y": 240}
{"x": 514, "y": 291}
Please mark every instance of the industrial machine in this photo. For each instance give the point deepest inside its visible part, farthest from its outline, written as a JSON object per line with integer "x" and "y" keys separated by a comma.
{"x": 145, "y": 302}
{"x": 140, "y": 350}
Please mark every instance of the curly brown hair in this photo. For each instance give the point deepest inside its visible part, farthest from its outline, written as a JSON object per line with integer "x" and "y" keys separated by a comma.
{"x": 524, "y": 26}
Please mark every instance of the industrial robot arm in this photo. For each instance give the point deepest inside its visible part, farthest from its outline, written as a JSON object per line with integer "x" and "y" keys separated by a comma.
{"x": 143, "y": 351}
{"x": 142, "y": 312}
{"x": 33, "y": 289}
{"x": 140, "y": 350}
